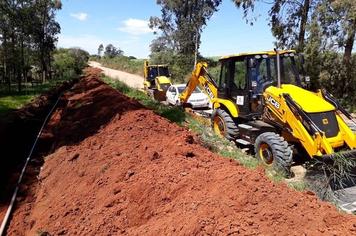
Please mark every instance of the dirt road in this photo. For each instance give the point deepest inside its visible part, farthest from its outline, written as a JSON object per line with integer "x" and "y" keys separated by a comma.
{"x": 134, "y": 81}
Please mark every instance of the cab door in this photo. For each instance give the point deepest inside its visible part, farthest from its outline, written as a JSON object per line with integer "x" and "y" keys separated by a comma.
{"x": 223, "y": 88}
{"x": 239, "y": 85}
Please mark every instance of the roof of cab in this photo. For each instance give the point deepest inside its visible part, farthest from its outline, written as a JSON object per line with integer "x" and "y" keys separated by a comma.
{"x": 270, "y": 53}
{"x": 157, "y": 65}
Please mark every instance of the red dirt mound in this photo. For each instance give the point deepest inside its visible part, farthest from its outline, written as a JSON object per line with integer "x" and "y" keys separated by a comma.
{"x": 89, "y": 105}
{"x": 142, "y": 175}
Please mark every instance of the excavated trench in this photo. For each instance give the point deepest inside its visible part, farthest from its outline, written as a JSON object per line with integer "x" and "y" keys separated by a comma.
{"x": 116, "y": 168}
{"x": 18, "y": 131}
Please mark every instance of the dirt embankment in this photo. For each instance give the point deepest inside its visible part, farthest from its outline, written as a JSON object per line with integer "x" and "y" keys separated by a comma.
{"x": 136, "y": 173}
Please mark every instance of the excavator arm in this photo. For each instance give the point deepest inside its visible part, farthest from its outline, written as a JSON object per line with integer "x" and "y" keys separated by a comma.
{"x": 200, "y": 77}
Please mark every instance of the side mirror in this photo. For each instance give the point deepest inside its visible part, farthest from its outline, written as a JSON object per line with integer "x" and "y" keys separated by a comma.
{"x": 306, "y": 82}
{"x": 251, "y": 63}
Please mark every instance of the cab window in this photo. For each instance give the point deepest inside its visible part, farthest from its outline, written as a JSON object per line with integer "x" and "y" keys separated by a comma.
{"x": 224, "y": 75}
{"x": 239, "y": 82}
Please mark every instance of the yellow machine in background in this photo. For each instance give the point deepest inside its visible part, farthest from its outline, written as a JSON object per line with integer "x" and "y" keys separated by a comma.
{"x": 157, "y": 80}
{"x": 261, "y": 100}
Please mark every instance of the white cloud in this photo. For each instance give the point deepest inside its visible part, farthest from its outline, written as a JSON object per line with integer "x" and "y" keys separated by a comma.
{"x": 80, "y": 16}
{"x": 135, "y": 27}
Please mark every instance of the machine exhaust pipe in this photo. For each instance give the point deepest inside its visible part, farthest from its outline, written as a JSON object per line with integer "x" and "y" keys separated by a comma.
{"x": 278, "y": 68}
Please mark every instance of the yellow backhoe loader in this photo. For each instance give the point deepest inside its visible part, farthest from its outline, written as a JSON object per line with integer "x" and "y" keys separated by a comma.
{"x": 156, "y": 80}
{"x": 261, "y": 100}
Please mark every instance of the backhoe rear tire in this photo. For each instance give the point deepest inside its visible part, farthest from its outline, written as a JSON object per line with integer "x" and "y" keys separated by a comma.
{"x": 223, "y": 124}
{"x": 274, "y": 151}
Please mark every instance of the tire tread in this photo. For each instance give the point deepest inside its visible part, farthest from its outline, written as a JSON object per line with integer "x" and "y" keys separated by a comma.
{"x": 281, "y": 150}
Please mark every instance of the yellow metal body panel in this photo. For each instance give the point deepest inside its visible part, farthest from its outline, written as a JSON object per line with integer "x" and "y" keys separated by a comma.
{"x": 346, "y": 132}
{"x": 318, "y": 144}
{"x": 309, "y": 101}
{"x": 163, "y": 80}
{"x": 230, "y": 106}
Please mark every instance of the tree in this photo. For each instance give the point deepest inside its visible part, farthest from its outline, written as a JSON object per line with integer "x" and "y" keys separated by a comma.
{"x": 100, "y": 49}
{"x": 70, "y": 62}
{"x": 181, "y": 24}
{"x": 46, "y": 31}
{"x": 338, "y": 21}
{"x": 288, "y": 19}
{"x": 111, "y": 51}
{"x": 27, "y": 37}
{"x": 81, "y": 57}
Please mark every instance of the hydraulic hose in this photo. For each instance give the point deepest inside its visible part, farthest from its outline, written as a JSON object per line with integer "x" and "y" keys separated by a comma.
{"x": 14, "y": 195}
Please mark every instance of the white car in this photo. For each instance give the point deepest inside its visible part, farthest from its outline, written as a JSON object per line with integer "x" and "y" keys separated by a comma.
{"x": 198, "y": 99}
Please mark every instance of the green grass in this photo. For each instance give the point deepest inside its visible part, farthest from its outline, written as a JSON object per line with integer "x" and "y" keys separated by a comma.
{"x": 12, "y": 100}
{"x": 123, "y": 63}
{"x": 299, "y": 186}
{"x": 176, "y": 114}
{"x": 220, "y": 145}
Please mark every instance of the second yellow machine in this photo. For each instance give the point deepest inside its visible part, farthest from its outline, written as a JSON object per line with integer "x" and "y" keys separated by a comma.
{"x": 156, "y": 80}
{"x": 261, "y": 99}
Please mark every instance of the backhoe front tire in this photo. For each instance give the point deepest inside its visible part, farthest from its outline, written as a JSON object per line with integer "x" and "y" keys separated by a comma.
{"x": 223, "y": 124}
{"x": 274, "y": 151}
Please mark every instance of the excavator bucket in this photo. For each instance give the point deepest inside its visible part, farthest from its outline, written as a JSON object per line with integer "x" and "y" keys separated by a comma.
{"x": 346, "y": 199}
{"x": 343, "y": 186}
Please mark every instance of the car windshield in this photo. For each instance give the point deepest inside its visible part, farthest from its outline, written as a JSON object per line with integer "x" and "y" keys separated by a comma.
{"x": 181, "y": 89}
{"x": 266, "y": 71}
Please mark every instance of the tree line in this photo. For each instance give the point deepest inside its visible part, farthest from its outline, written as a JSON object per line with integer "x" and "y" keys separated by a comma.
{"x": 323, "y": 30}
{"x": 28, "y": 36}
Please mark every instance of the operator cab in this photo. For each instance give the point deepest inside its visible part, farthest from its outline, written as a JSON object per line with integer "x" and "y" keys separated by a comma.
{"x": 154, "y": 71}
{"x": 244, "y": 78}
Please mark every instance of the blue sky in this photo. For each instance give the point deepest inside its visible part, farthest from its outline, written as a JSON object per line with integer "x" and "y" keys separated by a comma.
{"x": 87, "y": 23}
